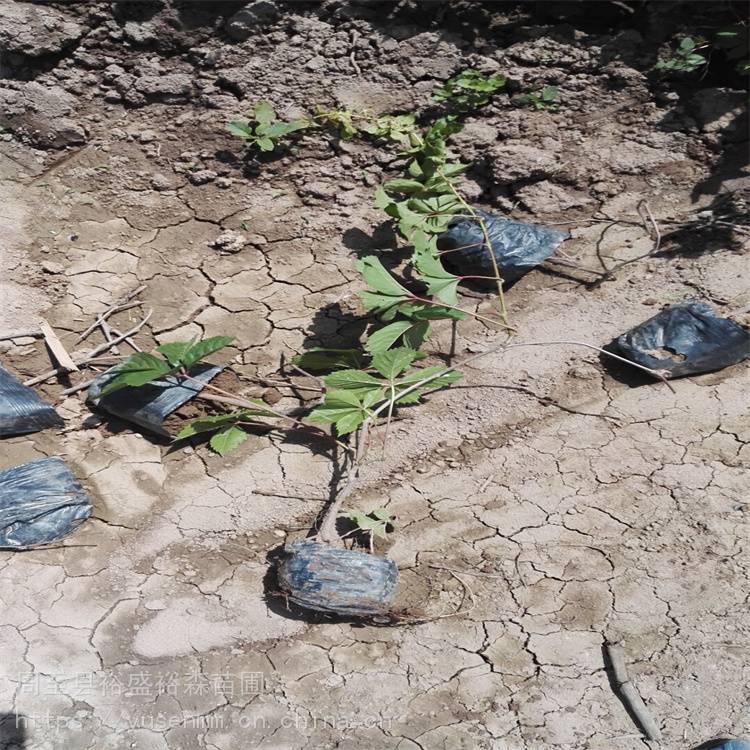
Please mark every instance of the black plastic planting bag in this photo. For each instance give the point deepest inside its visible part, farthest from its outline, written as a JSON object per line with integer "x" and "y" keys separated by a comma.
{"x": 338, "y": 581}
{"x": 149, "y": 405}
{"x": 21, "y": 410}
{"x": 686, "y": 339}
{"x": 40, "y": 502}
{"x": 517, "y": 246}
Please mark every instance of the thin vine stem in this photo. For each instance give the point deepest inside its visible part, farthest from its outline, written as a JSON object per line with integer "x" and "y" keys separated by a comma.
{"x": 487, "y": 242}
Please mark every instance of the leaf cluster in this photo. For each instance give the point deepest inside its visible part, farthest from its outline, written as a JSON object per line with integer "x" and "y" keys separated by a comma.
{"x": 469, "y": 89}
{"x": 685, "y": 58}
{"x": 546, "y": 98}
{"x": 265, "y": 128}
{"x": 178, "y": 356}
{"x": 375, "y": 523}
{"x": 352, "y": 396}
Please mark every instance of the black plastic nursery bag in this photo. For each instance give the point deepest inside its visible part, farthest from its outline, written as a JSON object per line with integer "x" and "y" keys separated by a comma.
{"x": 149, "y": 405}
{"x": 40, "y": 502}
{"x": 339, "y": 581}
{"x": 518, "y": 247}
{"x": 21, "y": 410}
{"x": 686, "y": 339}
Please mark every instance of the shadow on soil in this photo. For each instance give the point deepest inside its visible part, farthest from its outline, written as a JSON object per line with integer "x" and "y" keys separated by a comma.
{"x": 13, "y": 731}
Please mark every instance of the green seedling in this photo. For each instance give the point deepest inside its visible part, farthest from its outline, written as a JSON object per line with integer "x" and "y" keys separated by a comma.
{"x": 546, "y": 98}
{"x": 686, "y": 58}
{"x": 264, "y": 130}
{"x": 469, "y": 89}
{"x": 179, "y": 359}
{"x": 376, "y": 523}
{"x": 341, "y": 120}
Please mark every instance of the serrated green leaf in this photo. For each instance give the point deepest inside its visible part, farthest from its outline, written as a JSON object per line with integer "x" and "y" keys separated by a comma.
{"x": 175, "y": 351}
{"x": 138, "y": 369}
{"x": 440, "y": 283}
{"x": 265, "y": 144}
{"x": 383, "y": 339}
{"x": 265, "y": 114}
{"x": 687, "y": 44}
{"x": 341, "y": 408}
{"x": 454, "y": 168}
{"x": 390, "y": 364}
{"x": 375, "y": 522}
{"x": 376, "y": 276}
{"x": 354, "y": 381}
{"x": 239, "y": 128}
{"x": 227, "y": 440}
{"x": 207, "y": 424}
{"x": 417, "y": 334}
{"x": 203, "y": 348}
{"x": 214, "y": 422}
{"x": 382, "y": 199}
{"x": 279, "y": 129}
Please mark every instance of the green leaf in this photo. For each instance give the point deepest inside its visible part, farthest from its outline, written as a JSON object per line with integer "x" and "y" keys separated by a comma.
{"x": 392, "y": 363}
{"x": 319, "y": 359}
{"x": 388, "y": 291}
{"x": 341, "y": 408}
{"x": 138, "y": 369}
{"x": 215, "y": 422}
{"x": 382, "y": 199}
{"x": 421, "y": 311}
{"x": 402, "y": 185}
{"x": 205, "y": 347}
{"x": 355, "y": 381}
{"x": 175, "y": 351}
{"x": 265, "y": 144}
{"x": 227, "y": 440}
{"x": 416, "y": 335}
{"x": 440, "y": 283}
{"x": 208, "y": 424}
{"x": 687, "y": 44}
{"x": 278, "y": 129}
{"x": 383, "y": 339}
{"x": 441, "y": 381}
{"x": 242, "y": 129}
{"x": 415, "y": 170}
{"x": 265, "y": 114}
{"x": 375, "y": 522}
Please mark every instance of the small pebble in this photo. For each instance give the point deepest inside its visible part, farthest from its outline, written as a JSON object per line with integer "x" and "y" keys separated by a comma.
{"x": 202, "y": 176}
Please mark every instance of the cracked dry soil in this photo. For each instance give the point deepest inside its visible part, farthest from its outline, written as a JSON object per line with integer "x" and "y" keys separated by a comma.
{"x": 572, "y": 505}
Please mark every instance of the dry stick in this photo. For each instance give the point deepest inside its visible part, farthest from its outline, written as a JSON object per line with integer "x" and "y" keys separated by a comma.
{"x": 629, "y": 694}
{"x": 34, "y": 334}
{"x": 327, "y": 530}
{"x": 59, "y": 352}
{"x": 121, "y": 304}
{"x": 93, "y": 353}
{"x": 127, "y": 339}
{"x": 487, "y": 242}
